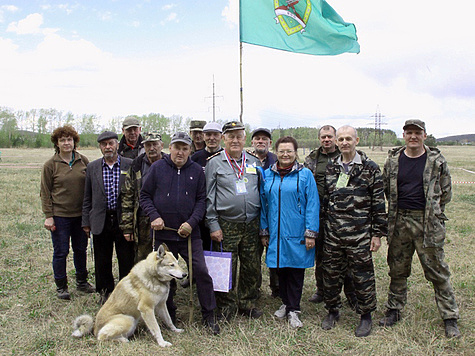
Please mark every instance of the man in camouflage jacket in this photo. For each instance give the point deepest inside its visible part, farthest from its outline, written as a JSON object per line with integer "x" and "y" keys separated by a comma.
{"x": 134, "y": 222}
{"x": 417, "y": 185}
{"x": 355, "y": 223}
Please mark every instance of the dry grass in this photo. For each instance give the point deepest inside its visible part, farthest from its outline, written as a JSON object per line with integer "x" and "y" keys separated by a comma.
{"x": 34, "y": 322}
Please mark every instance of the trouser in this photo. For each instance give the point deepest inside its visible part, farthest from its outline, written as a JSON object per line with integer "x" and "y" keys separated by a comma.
{"x": 407, "y": 238}
{"x": 273, "y": 276}
{"x": 291, "y": 286}
{"x": 337, "y": 256}
{"x": 348, "y": 285}
{"x": 103, "y": 249}
{"x": 203, "y": 281}
{"x": 242, "y": 239}
{"x": 144, "y": 240}
{"x": 68, "y": 228}
{"x": 205, "y": 235}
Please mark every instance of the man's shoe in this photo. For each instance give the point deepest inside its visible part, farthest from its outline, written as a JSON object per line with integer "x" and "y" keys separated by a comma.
{"x": 330, "y": 320}
{"x": 225, "y": 315}
{"x": 451, "y": 329}
{"x": 62, "y": 288}
{"x": 252, "y": 313}
{"x": 316, "y": 298}
{"x": 391, "y": 317}
{"x": 281, "y": 312}
{"x": 294, "y": 321}
{"x": 83, "y": 285}
{"x": 364, "y": 329}
{"x": 210, "y": 323}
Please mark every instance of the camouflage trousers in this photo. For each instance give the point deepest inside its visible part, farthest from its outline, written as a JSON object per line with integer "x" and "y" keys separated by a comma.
{"x": 242, "y": 239}
{"x": 143, "y": 245}
{"x": 407, "y": 238}
{"x": 340, "y": 256}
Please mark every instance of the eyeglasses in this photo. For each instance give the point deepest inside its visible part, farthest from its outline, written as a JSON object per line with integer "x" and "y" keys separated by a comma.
{"x": 286, "y": 152}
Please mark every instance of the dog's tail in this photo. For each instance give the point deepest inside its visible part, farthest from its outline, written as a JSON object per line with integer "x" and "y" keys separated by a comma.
{"x": 82, "y": 325}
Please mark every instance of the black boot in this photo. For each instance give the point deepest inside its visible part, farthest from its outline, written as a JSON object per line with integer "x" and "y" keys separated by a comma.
{"x": 366, "y": 323}
{"x": 391, "y": 317}
{"x": 62, "y": 288}
{"x": 82, "y": 284}
{"x": 210, "y": 322}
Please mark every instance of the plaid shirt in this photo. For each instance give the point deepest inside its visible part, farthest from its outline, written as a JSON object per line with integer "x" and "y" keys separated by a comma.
{"x": 111, "y": 182}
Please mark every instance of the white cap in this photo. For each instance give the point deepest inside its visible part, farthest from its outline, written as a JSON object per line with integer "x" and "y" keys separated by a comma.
{"x": 212, "y": 127}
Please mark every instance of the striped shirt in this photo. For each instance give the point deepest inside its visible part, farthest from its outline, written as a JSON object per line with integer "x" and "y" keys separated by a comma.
{"x": 111, "y": 177}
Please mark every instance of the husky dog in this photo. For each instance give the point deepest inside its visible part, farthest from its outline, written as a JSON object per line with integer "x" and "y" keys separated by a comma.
{"x": 138, "y": 295}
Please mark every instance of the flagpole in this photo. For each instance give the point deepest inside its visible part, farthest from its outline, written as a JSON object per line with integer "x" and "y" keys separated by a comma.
{"x": 240, "y": 79}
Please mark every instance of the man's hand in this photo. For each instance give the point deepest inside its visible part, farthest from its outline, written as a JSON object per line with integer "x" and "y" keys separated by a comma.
{"x": 157, "y": 224}
{"x": 49, "y": 224}
{"x": 265, "y": 241}
{"x": 87, "y": 229}
{"x": 375, "y": 244}
{"x": 129, "y": 237}
{"x": 217, "y": 235}
{"x": 185, "y": 230}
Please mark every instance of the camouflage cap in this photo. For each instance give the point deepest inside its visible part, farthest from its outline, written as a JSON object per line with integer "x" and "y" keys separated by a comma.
{"x": 151, "y": 136}
{"x": 415, "y": 122}
{"x": 233, "y": 125}
{"x": 181, "y": 137}
{"x": 130, "y": 121}
{"x": 197, "y": 125}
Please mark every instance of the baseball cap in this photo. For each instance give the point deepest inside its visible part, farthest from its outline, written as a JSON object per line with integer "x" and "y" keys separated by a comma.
{"x": 415, "y": 122}
{"x": 151, "y": 136}
{"x": 181, "y": 137}
{"x": 233, "y": 125}
{"x": 263, "y": 130}
{"x": 212, "y": 127}
{"x": 197, "y": 125}
{"x": 130, "y": 121}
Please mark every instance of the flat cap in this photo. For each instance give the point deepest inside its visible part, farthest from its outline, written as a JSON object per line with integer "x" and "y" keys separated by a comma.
{"x": 197, "y": 125}
{"x": 233, "y": 125}
{"x": 130, "y": 121}
{"x": 151, "y": 136}
{"x": 181, "y": 137}
{"x": 262, "y": 130}
{"x": 107, "y": 135}
{"x": 415, "y": 122}
{"x": 212, "y": 127}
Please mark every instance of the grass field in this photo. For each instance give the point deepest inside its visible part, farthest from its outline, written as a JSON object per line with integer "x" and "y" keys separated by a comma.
{"x": 34, "y": 322}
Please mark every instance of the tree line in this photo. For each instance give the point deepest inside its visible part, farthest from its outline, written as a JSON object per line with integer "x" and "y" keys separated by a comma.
{"x": 32, "y": 128}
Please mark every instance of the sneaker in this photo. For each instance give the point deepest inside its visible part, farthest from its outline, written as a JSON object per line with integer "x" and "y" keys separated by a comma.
{"x": 294, "y": 321}
{"x": 330, "y": 320}
{"x": 391, "y": 317}
{"x": 281, "y": 312}
{"x": 451, "y": 329}
{"x": 364, "y": 329}
{"x": 316, "y": 298}
{"x": 252, "y": 313}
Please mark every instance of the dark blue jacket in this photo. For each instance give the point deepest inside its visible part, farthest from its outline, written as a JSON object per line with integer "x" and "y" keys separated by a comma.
{"x": 175, "y": 195}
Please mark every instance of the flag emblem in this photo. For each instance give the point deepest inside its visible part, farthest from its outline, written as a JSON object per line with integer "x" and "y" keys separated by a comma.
{"x": 292, "y": 15}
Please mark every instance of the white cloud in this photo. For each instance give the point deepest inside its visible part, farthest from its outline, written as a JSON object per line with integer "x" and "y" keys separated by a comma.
{"x": 168, "y": 6}
{"x": 29, "y": 25}
{"x": 106, "y": 16}
{"x": 172, "y": 17}
{"x": 231, "y": 13}
{"x": 6, "y": 8}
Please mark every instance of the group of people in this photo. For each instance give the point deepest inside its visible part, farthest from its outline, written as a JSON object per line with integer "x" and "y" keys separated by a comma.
{"x": 329, "y": 211}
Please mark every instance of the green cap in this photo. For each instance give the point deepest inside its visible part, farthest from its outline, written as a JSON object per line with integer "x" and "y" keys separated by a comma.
{"x": 233, "y": 125}
{"x": 415, "y": 122}
{"x": 197, "y": 125}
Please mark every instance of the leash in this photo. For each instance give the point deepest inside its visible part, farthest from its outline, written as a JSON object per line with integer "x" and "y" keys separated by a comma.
{"x": 91, "y": 245}
{"x": 153, "y": 240}
{"x": 190, "y": 268}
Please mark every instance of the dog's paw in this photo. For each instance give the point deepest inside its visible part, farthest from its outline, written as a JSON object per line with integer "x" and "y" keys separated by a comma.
{"x": 164, "y": 343}
{"x": 176, "y": 330}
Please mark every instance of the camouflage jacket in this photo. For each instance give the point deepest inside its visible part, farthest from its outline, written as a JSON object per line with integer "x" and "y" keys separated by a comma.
{"x": 130, "y": 197}
{"x": 437, "y": 189}
{"x": 357, "y": 211}
{"x": 311, "y": 162}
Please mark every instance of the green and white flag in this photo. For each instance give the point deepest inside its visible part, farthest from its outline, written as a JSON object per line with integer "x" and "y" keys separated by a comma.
{"x": 302, "y": 26}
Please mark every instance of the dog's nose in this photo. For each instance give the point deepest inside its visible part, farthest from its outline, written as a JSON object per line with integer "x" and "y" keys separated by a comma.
{"x": 184, "y": 275}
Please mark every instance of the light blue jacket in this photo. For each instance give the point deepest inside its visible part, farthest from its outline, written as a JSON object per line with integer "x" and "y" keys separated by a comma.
{"x": 289, "y": 213}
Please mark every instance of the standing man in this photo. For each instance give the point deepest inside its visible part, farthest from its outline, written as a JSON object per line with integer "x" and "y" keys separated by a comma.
{"x": 174, "y": 197}
{"x": 417, "y": 184}
{"x": 233, "y": 208}
{"x": 196, "y": 133}
{"x": 135, "y": 224}
{"x": 101, "y": 211}
{"x": 261, "y": 140}
{"x": 130, "y": 144}
{"x": 212, "y": 138}
{"x": 317, "y": 162}
{"x": 355, "y": 222}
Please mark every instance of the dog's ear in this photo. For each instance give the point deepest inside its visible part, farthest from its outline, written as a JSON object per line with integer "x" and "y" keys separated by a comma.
{"x": 165, "y": 247}
{"x": 161, "y": 251}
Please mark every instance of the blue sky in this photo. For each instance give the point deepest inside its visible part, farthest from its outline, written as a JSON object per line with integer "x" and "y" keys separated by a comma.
{"x": 114, "y": 58}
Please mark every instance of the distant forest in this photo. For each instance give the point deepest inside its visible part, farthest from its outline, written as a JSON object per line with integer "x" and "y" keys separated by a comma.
{"x": 33, "y": 129}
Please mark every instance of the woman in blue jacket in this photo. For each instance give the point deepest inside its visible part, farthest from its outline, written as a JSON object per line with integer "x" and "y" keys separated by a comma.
{"x": 289, "y": 224}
